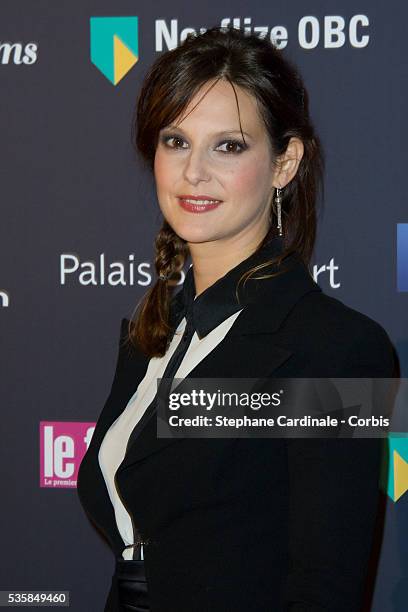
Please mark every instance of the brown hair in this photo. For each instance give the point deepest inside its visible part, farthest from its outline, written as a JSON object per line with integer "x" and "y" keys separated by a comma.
{"x": 257, "y": 66}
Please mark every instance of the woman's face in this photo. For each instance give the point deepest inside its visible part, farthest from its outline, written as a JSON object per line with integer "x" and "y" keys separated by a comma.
{"x": 203, "y": 155}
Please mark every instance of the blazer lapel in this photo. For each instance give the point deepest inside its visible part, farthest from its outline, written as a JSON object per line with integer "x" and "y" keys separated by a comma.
{"x": 219, "y": 361}
{"x": 247, "y": 351}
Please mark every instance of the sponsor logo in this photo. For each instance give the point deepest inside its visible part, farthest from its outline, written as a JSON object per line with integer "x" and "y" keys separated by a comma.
{"x": 101, "y": 271}
{"x": 329, "y": 31}
{"x": 114, "y": 45}
{"x": 62, "y": 447}
{"x": 394, "y": 476}
{"x": 402, "y": 256}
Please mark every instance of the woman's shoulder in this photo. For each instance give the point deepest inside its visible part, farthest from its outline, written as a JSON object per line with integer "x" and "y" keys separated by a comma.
{"x": 334, "y": 316}
{"x": 329, "y": 326}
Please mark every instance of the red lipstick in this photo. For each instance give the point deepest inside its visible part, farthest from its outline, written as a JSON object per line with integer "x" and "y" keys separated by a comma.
{"x": 198, "y": 203}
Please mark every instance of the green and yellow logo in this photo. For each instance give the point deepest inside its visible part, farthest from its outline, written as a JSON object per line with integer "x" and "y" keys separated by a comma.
{"x": 394, "y": 477}
{"x": 114, "y": 45}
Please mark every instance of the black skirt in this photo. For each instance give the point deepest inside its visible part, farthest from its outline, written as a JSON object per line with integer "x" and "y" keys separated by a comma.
{"x": 132, "y": 586}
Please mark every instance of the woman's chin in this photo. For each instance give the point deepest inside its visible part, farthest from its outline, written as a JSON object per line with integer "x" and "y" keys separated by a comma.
{"x": 195, "y": 234}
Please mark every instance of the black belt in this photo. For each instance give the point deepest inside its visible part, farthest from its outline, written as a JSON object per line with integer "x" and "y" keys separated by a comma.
{"x": 132, "y": 585}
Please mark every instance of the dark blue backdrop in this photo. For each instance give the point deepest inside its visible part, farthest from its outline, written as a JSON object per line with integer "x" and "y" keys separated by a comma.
{"x": 72, "y": 189}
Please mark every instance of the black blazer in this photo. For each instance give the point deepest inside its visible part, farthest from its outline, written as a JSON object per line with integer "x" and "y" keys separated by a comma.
{"x": 252, "y": 524}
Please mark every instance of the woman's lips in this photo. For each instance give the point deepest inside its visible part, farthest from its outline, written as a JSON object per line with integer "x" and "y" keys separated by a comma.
{"x": 198, "y": 206}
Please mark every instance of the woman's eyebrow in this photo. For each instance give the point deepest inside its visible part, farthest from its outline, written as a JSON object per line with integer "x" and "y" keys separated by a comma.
{"x": 222, "y": 133}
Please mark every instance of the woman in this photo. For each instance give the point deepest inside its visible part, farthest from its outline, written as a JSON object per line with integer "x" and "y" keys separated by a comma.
{"x": 233, "y": 524}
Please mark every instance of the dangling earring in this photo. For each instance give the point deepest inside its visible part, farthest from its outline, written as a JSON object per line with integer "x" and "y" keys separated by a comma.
{"x": 278, "y": 201}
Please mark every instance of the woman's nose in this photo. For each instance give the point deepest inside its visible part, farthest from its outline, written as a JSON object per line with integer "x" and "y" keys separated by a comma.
{"x": 196, "y": 167}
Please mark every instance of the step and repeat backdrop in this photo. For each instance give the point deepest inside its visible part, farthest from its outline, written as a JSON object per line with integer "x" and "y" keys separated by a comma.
{"x": 78, "y": 219}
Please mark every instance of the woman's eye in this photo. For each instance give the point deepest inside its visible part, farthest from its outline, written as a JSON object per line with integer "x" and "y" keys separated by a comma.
{"x": 232, "y": 146}
{"x": 176, "y": 139}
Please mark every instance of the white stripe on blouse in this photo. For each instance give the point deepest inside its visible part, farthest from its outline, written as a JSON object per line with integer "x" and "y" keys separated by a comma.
{"x": 113, "y": 447}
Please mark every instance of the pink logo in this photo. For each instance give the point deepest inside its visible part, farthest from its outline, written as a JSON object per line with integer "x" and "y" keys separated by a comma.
{"x": 62, "y": 447}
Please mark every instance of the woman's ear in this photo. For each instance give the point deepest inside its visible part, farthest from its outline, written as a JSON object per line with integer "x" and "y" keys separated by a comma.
{"x": 288, "y": 163}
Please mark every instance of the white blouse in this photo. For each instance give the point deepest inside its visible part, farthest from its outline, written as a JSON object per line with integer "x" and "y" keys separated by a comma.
{"x": 113, "y": 447}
